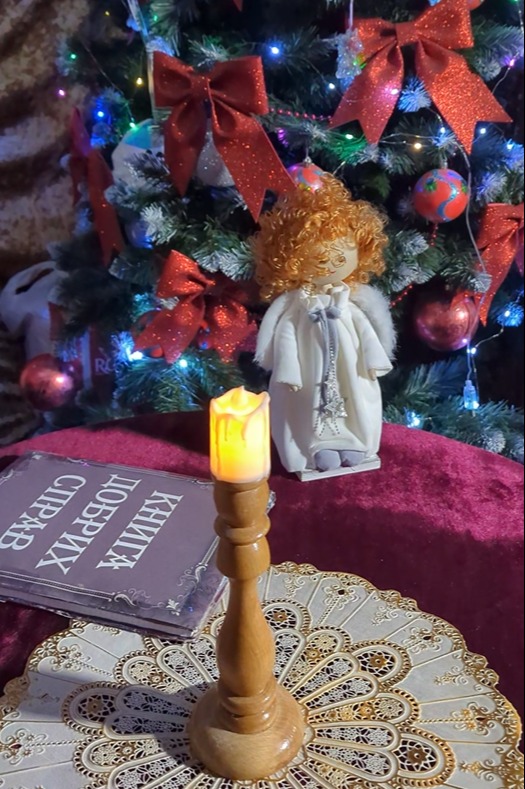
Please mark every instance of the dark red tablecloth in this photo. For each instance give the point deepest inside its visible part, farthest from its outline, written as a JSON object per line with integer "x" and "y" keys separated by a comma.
{"x": 441, "y": 523}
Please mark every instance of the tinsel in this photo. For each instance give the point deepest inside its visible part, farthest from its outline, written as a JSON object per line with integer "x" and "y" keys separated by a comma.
{"x": 494, "y": 441}
{"x": 414, "y": 96}
{"x": 489, "y": 186}
{"x": 517, "y": 449}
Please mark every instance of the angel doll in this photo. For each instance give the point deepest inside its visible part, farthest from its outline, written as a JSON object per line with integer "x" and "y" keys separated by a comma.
{"x": 328, "y": 335}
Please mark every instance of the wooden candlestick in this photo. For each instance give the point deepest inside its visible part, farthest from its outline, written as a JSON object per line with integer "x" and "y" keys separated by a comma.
{"x": 246, "y": 727}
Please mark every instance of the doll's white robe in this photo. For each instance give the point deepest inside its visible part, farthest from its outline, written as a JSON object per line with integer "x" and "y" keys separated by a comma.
{"x": 292, "y": 345}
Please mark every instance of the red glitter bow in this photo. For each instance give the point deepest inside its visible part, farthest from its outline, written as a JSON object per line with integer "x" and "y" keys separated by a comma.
{"x": 234, "y": 92}
{"x": 460, "y": 96}
{"x": 88, "y": 165}
{"x": 500, "y": 238}
{"x": 209, "y": 312}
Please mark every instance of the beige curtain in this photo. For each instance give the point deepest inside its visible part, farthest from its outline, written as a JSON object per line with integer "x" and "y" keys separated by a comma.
{"x": 35, "y": 190}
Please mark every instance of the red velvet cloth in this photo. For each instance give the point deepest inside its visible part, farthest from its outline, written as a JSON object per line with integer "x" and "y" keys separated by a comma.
{"x": 441, "y": 522}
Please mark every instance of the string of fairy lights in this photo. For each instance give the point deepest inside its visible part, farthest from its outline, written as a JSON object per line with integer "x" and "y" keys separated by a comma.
{"x": 510, "y": 316}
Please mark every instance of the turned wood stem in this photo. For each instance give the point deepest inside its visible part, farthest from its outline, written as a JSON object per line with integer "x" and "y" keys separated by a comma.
{"x": 246, "y": 727}
{"x": 246, "y": 647}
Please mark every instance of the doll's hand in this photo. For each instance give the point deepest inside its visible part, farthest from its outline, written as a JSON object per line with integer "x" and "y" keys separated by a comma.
{"x": 295, "y": 389}
{"x": 373, "y": 375}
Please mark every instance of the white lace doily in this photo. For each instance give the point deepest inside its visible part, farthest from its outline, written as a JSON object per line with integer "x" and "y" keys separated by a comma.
{"x": 393, "y": 698}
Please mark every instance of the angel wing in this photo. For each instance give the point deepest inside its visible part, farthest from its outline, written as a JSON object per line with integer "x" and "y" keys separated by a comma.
{"x": 377, "y": 309}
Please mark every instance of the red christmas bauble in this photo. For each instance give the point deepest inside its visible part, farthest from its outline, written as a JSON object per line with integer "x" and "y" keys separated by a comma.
{"x": 46, "y": 384}
{"x": 307, "y": 176}
{"x": 441, "y": 196}
{"x": 473, "y": 4}
{"x": 143, "y": 322}
{"x": 445, "y": 320}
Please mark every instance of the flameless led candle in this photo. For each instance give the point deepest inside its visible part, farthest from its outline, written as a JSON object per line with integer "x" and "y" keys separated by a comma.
{"x": 240, "y": 437}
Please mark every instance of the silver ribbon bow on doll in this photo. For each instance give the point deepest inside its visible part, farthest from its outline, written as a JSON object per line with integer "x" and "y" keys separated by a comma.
{"x": 332, "y": 406}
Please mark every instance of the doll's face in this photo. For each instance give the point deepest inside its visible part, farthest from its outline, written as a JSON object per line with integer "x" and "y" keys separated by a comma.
{"x": 342, "y": 259}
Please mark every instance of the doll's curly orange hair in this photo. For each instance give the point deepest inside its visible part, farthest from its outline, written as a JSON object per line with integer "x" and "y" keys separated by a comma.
{"x": 288, "y": 249}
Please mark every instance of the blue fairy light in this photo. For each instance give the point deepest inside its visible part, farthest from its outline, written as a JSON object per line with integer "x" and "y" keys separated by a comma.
{"x": 101, "y": 111}
{"x": 127, "y": 349}
{"x": 183, "y": 364}
{"x": 414, "y": 420}
{"x": 275, "y": 50}
{"x": 511, "y": 316}
{"x": 471, "y": 397}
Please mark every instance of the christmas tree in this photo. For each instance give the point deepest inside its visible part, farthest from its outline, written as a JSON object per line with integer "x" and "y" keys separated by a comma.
{"x": 202, "y": 107}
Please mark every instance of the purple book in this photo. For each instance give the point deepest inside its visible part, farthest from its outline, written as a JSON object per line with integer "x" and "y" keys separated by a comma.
{"x": 119, "y": 546}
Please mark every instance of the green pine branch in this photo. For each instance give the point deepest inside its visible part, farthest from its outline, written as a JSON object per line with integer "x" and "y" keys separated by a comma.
{"x": 430, "y": 392}
{"x": 495, "y": 45}
{"x": 187, "y": 385}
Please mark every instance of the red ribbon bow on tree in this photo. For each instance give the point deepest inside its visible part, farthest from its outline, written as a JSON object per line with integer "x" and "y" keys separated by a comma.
{"x": 499, "y": 240}
{"x": 87, "y": 165}
{"x": 209, "y": 312}
{"x": 234, "y": 92}
{"x": 460, "y": 96}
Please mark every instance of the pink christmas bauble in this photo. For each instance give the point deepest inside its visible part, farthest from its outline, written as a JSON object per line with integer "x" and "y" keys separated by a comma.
{"x": 441, "y": 196}
{"x": 307, "y": 176}
{"x": 47, "y": 384}
{"x": 445, "y": 321}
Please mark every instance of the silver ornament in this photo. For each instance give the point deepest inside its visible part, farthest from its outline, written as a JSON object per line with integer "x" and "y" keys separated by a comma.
{"x": 349, "y": 49}
{"x": 211, "y": 169}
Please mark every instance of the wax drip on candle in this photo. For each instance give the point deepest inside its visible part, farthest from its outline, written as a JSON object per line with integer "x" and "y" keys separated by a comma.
{"x": 240, "y": 437}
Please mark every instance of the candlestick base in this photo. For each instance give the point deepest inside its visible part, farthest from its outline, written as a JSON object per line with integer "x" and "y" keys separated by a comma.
{"x": 246, "y": 757}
